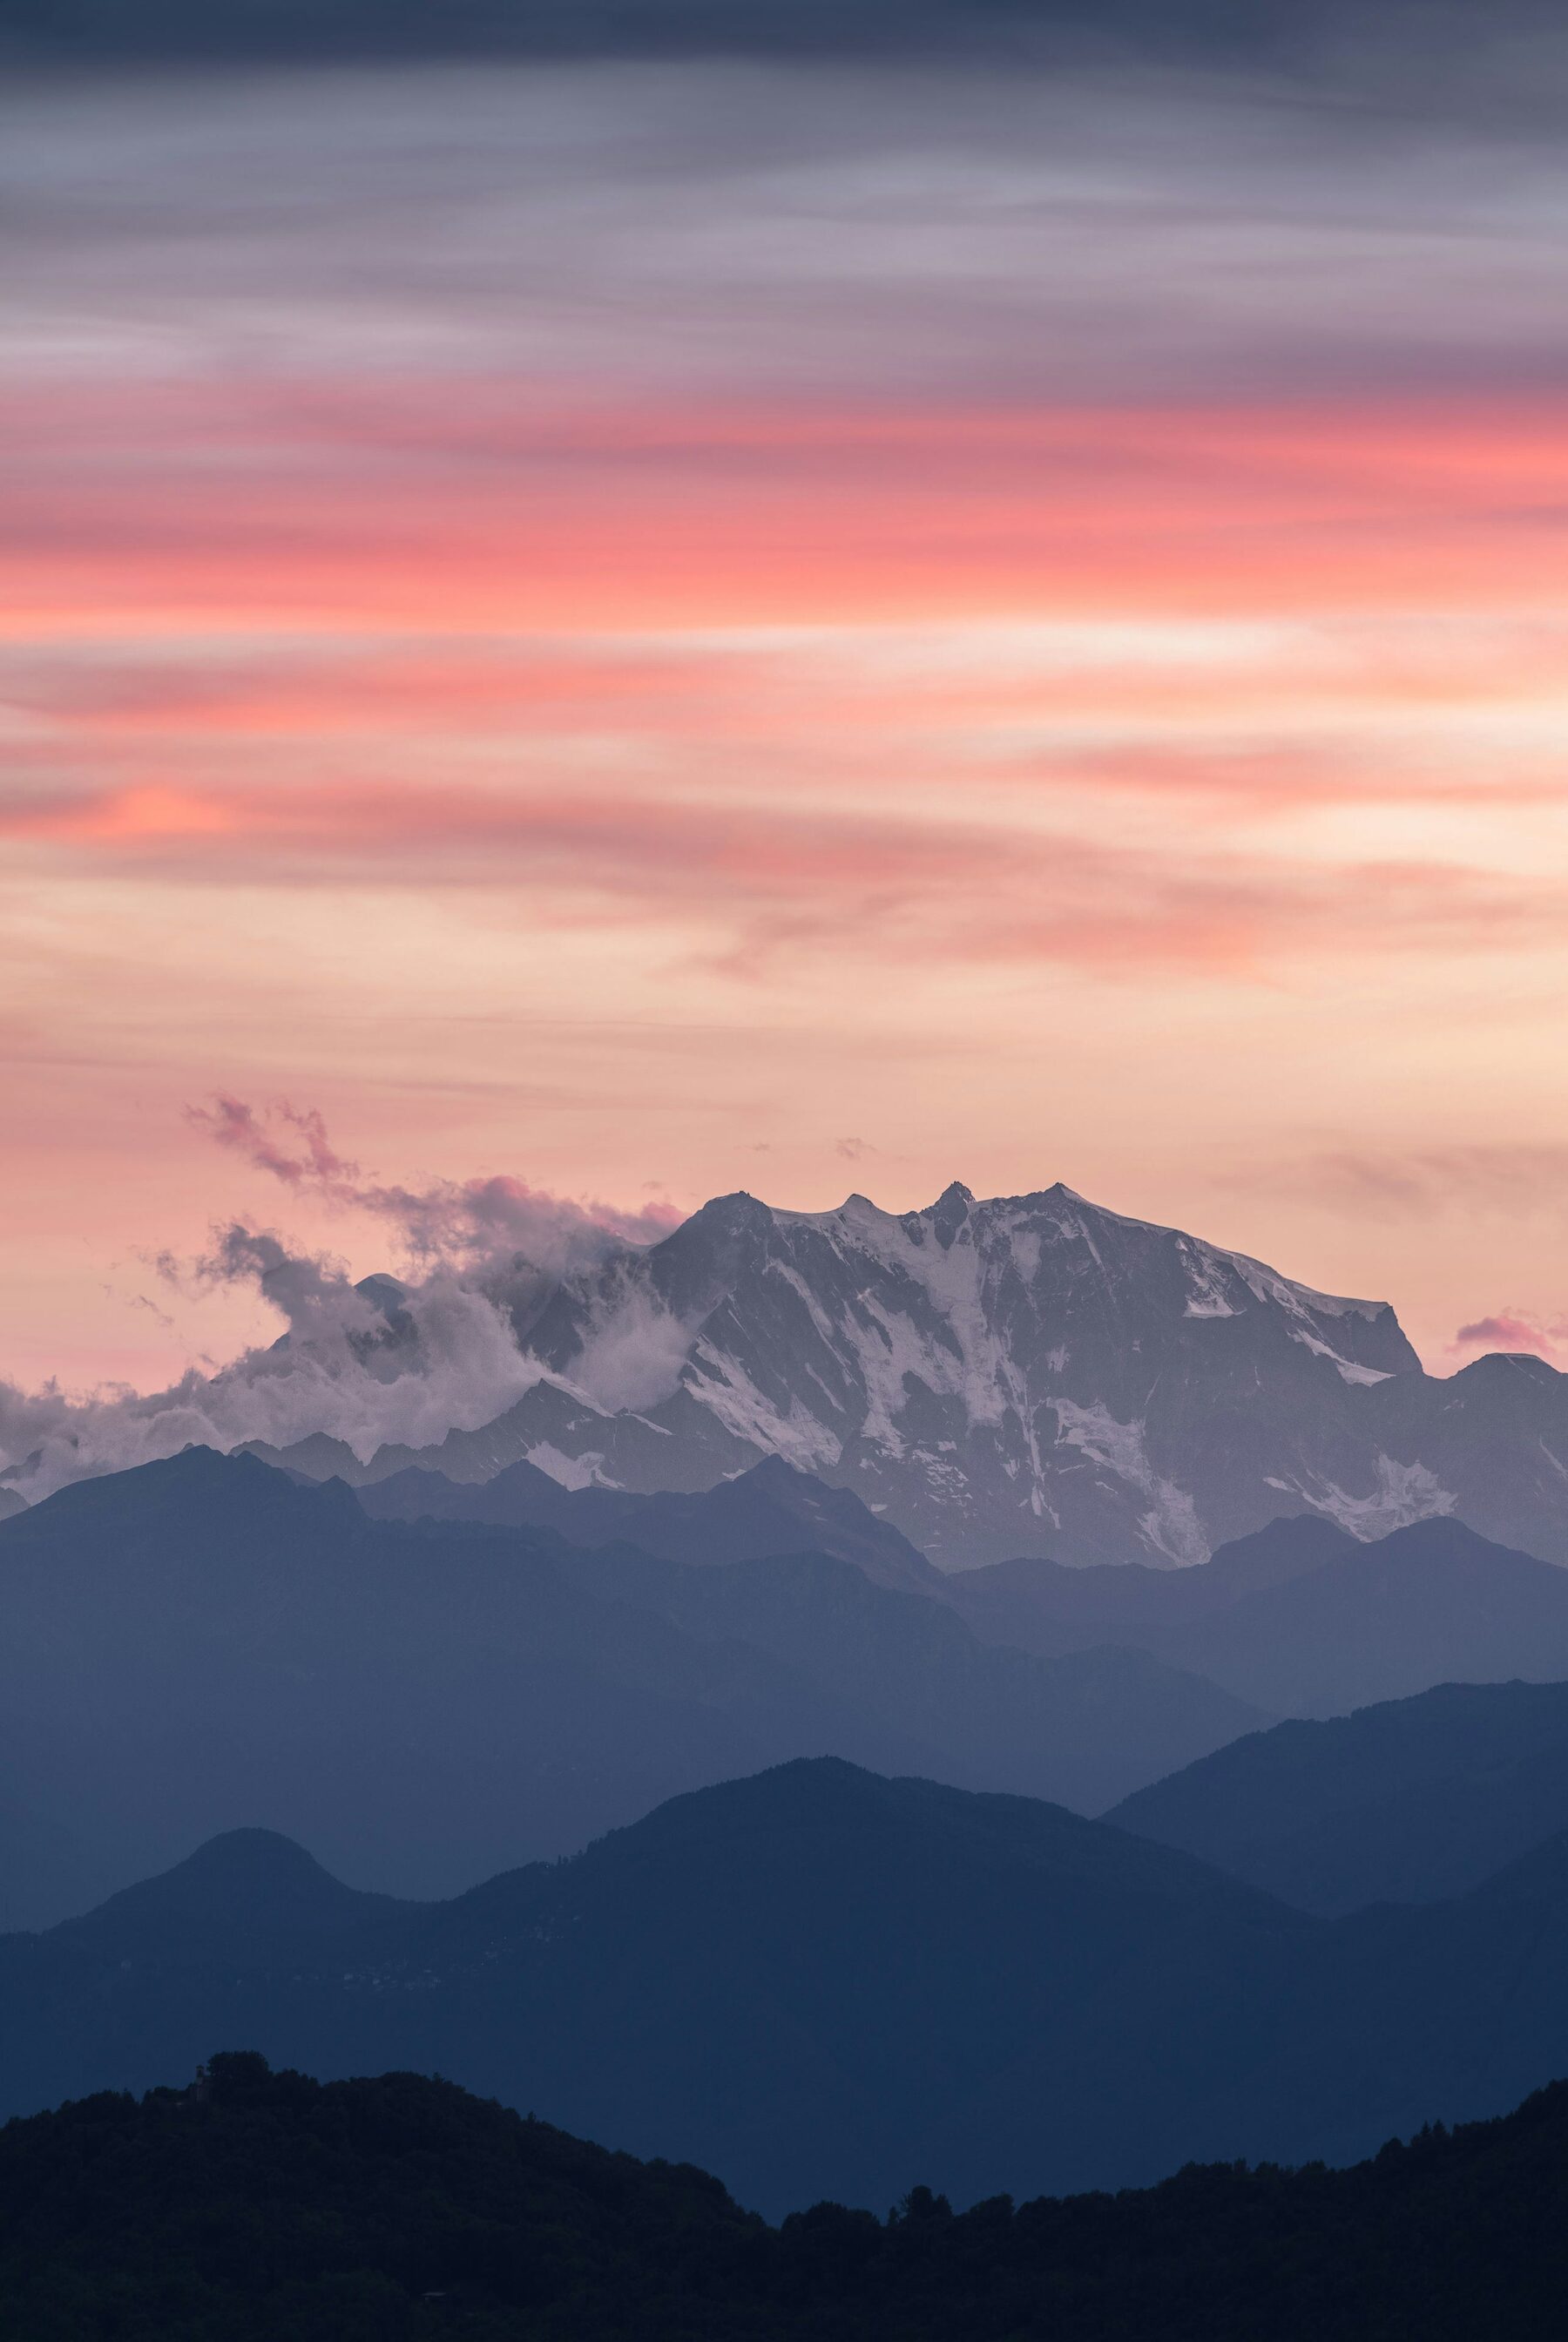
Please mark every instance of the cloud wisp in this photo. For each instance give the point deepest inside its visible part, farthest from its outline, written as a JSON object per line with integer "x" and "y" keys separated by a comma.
{"x": 1514, "y": 1331}
{"x": 472, "y": 1225}
{"x": 404, "y": 1359}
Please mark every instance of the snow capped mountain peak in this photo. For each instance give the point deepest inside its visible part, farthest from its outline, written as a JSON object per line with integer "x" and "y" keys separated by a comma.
{"x": 1018, "y": 1374}
{"x": 993, "y": 1375}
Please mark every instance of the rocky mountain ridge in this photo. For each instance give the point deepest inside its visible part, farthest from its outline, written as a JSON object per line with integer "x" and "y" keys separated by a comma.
{"x": 1024, "y": 1375}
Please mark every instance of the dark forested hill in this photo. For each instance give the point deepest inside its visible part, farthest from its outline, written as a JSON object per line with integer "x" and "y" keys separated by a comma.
{"x": 1405, "y": 1802}
{"x": 265, "y": 2207}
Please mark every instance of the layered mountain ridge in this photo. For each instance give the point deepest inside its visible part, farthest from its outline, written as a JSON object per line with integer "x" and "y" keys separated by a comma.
{"x": 817, "y": 1980}
{"x": 204, "y": 1642}
{"x": 1024, "y": 1375}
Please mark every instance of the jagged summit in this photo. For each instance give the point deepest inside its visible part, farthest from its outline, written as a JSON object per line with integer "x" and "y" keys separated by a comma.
{"x": 1013, "y": 1373}
{"x": 1002, "y": 1375}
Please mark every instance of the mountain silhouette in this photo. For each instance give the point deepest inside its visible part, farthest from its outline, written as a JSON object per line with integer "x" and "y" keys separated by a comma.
{"x": 1405, "y": 1802}
{"x": 257, "y": 2204}
{"x": 769, "y": 1510}
{"x": 818, "y": 1981}
{"x": 203, "y": 1643}
{"x": 1298, "y": 1618}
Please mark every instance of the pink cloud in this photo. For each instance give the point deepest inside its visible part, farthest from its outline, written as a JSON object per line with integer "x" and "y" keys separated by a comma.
{"x": 309, "y": 1161}
{"x": 420, "y": 496}
{"x": 779, "y": 881}
{"x": 1514, "y": 1329}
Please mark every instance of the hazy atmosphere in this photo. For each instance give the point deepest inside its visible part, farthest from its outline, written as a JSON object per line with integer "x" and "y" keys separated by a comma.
{"x": 784, "y": 1174}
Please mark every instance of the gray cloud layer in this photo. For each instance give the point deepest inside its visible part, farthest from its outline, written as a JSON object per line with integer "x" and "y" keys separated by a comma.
{"x": 1502, "y": 63}
{"x": 728, "y": 229}
{"x": 192, "y": 28}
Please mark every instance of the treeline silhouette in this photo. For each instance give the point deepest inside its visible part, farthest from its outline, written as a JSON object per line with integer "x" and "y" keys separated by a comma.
{"x": 265, "y": 2205}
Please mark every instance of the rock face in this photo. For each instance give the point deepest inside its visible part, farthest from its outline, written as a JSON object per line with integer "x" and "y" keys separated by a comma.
{"x": 1027, "y": 1374}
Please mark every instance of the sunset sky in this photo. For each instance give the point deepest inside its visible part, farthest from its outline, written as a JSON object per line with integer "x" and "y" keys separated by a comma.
{"x": 665, "y": 625}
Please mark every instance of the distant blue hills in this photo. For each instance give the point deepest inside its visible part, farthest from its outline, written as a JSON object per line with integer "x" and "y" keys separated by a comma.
{"x": 208, "y": 1642}
{"x": 820, "y": 1981}
{"x": 784, "y": 1835}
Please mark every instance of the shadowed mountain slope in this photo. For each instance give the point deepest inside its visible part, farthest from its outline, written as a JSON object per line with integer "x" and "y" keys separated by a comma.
{"x": 205, "y": 1644}
{"x": 250, "y": 1899}
{"x": 1431, "y": 1603}
{"x": 771, "y": 1509}
{"x": 1301, "y": 1619}
{"x": 1043, "y": 1605}
{"x": 1407, "y": 1802}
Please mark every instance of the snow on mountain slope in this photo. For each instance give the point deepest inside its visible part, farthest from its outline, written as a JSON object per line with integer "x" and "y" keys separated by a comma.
{"x": 1027, "y": 1374}
{"x": 1030, "y": 1373}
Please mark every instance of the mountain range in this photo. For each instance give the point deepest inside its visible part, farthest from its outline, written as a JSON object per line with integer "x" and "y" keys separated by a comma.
{"x": 1298, "y": 1619}
{"x": 769, "y": 1510}
{"x": 1299, "y": 1622}
{"x": 206, "y": 1642}
{"x": 210, "y": 1642}
{"x": 1283, "y": 1940}
{"x": 821, "y": 1981}
{"x": 1027, "y": 1374}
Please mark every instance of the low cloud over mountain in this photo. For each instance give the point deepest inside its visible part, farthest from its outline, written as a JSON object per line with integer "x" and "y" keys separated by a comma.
{"x": 1027, "y": 1374}
{"x": 381, "y": 1359}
